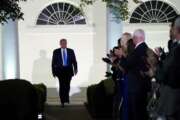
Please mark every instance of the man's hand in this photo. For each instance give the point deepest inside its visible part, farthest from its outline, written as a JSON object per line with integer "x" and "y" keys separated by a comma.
{"x": 75, "y": 72}
{"x": 118, "y": 52}
{"x": 158, "y": 51}
{"x": 54, "y": 76}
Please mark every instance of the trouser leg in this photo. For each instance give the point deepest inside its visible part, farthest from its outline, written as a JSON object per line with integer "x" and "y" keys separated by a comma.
{"x": 61, "y": 90}
{"x": 137, "y": 107}
{"x": 67, "y": 88}
{"x": 64, "y": 89}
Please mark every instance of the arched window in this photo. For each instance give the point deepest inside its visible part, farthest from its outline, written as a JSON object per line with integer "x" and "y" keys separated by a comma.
{"x": 60, "y": 14}
{"x": 153, "y": 11}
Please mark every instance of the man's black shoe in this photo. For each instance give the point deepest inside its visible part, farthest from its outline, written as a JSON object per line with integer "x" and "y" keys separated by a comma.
{"x": 62, "y": 105}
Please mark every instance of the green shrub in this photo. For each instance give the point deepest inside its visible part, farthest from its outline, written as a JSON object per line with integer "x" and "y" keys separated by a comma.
{"x": 42, "y": 94}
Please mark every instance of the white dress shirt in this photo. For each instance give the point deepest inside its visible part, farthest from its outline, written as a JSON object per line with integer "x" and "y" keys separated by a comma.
{"x": 138, "y": 44}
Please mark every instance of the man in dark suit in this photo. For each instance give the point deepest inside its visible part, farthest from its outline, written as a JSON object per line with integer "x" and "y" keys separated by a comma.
{"x": 168, "y": 75}
{"x": 64, "y": 66}
{"x": 138, "y": 85}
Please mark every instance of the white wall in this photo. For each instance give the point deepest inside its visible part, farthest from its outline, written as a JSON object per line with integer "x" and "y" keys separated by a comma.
{"x": 88, "y": 42}
{"x": 156, "y": 34}
{"x": 98, "y": 69}
{"x": 174, "y": 3}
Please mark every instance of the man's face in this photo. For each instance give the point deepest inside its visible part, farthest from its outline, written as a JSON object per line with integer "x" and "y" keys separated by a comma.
{"x": 171, "y": 32}
{"x": 177, "y": 33}
{"x": 135, "y": 40}
{"x": 63, "y": 44}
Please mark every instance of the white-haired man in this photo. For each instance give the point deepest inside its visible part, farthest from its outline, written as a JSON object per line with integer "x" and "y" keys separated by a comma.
{"x": 138, "y": 86}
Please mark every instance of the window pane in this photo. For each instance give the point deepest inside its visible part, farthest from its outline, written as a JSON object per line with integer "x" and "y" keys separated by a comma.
{"x": 153, "y": 12}
{"x": 62, "y": 14}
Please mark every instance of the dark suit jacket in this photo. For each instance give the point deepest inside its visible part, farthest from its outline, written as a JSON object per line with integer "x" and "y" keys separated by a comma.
{"x": 57, "y": 62}
{"x": 169, "y": 73}
{"x": 133, "y": 64}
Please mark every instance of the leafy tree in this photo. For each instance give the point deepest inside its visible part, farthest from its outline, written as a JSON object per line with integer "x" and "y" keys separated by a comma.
{"x": 9, "y": 9}
{"x": 118, "y": 7}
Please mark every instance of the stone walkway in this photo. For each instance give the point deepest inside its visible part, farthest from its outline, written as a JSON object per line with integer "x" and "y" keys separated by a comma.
{"x": 69, "y": 112}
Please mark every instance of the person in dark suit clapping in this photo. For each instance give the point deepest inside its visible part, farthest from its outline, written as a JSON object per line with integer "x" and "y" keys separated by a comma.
{"x": 138, "y": 86}
{"x": 168, "y": 75}
{"x": 64, "y": 66}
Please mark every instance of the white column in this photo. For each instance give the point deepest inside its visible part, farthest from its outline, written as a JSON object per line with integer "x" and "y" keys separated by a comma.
{"x": 10, "y": 50}
{"x": 114, "y": 30}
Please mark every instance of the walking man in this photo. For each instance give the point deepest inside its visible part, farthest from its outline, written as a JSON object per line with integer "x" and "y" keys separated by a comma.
{"x": 64, "y": 66}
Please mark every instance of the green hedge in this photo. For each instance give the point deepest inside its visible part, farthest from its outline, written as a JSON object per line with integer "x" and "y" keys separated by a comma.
{"x": 100, "y": 99}
{"x": 42, "y": 94}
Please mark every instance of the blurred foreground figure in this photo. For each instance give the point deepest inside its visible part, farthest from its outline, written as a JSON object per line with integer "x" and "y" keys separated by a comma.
{"x": 19, "y": 100}
{"x": 168, "y": 76}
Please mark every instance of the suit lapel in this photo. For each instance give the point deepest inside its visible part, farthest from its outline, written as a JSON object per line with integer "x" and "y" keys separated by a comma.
{"x": 67, "y": 55}
{"x": 60, "y": 56}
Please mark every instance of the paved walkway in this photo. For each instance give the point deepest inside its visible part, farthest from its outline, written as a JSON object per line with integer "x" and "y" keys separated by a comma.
{"x": 69, "y": 112}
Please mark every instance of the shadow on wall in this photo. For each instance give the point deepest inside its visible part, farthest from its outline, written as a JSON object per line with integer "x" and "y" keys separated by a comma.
{"x": 41, "y": 72}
